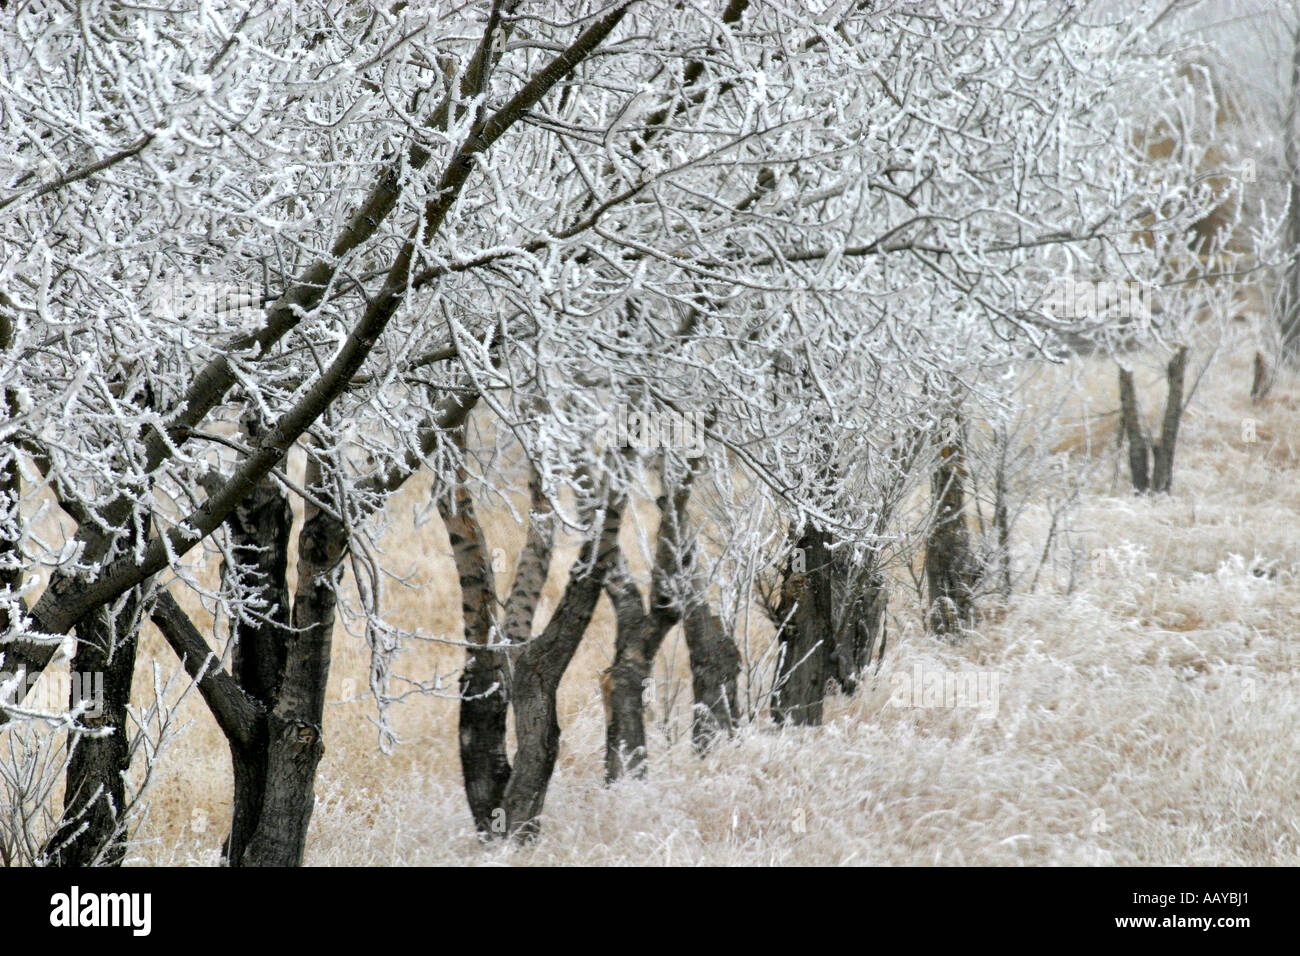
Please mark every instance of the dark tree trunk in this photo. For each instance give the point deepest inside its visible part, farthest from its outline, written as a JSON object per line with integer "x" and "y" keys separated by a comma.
{"x": 950, "y": 567}
{"x": 11, "y": 489}
{"x": 484, "y": 690}
{"x": 640, "y": 633}
{"x": 248, "y": 766}
{"x": 1139, "y": 454}
{"x": 861, "y": 625}
{"x": 538, "y": 670}
{"x": 1163, "y": 473}
{"x": 92, "y": 832}
{"x": 485, "y": 682}
{"x": 259, "y": 533}
{"x": 715, "y": 669}
{"x": 1261, "y": 382}
{"x": 295, "y": 735}
{"x": 1002, "y": 525}
{"x": 807, "y": 636}
{"x": 624, "y": 682}
{"x": 1151, "y": 464}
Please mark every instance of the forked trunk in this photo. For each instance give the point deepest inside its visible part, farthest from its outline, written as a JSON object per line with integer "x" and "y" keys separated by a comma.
{"x": 259, "y": 534}
{"x": 537, "y": 672}
{"x": 295, "y": 735}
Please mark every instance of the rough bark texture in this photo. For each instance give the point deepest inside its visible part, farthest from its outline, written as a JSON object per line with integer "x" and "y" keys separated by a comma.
{"x": 807, "y": 636}
{"x": 635, "y": 646}
{"x": 295, "y": 738}
{"x": 1002, "y": 525}
{"x": 640, "y": 633}
{"x": 715, "y": 669}
{"x": 861, "y": 602}
{"x": 259, "y": 536}
{"x": 1139, "y": 454}
{"x": 538, "y": 670}
{"x": 484, "y": 696}
{"x": 951, "y": 569}
{"x": 93, "y": 833}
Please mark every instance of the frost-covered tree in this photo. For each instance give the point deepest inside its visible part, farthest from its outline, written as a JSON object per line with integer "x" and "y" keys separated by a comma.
{"x": 794, "y": 231}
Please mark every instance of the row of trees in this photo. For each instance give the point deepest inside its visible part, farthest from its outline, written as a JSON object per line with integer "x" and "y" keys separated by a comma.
{"x": 824, "y": 231}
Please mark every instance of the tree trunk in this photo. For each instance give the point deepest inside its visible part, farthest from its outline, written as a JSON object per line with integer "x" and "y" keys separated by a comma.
{"x": 92, "y": 832}
{"x": 295, "y": 735}
{"x": 1002, "y": 524}
{"x": 807, "y": 636}
{"x": 538, "y": 669}
{"x": 1163, "y": 476}
{"x": 640, "y": 633}
{"x": 715, "y": 669}
{"x": 864, "y": 624}
{"x": 624, "y": 682}
{"x": 484, "y": 692}
{"x": 950, "y": 567}
{"x": 1131, "y": 422}
{"x": 259, "y": 532}
{"x": 11, "y": 489}
{"x": 1261, "y": 382}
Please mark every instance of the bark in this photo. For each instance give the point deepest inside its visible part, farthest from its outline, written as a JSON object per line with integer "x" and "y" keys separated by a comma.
{"x": 1261, "y": 382}
{"x": 537, "y": 673}
{"x": 11, "y": 488}
{"x": 1163, "y": 472}
{"x": 860, "y": 598}
{"x": 1002, "y": 525}
{"x": 864, "y": 600}
{"x": 635, "y": 646}
{"x": 1139, "y": 454}
{"x": 294, "y": 731}
{"x": 235, "y": 712}
{"x": 715, "y": 670}
{"x": 93, "y": 832}
{"x": 640, "y": 633}
{"x": 259, "y": 536}
{"x": 485, "y": 764}
{"x": 807, "y": 636}
{"x": 950, "y": 567}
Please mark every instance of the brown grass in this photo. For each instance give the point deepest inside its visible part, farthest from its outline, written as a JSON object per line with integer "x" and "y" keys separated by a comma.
{"x": 1145, "y": 717}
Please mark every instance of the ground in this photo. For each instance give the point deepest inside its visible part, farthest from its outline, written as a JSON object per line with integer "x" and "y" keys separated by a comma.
{"x": 1138, "y": 706}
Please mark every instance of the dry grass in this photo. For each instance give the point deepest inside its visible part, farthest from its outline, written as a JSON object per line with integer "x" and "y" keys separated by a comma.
{"x": 1145, "y": 716}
